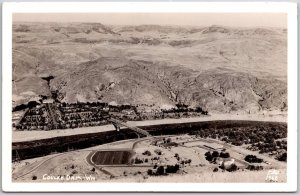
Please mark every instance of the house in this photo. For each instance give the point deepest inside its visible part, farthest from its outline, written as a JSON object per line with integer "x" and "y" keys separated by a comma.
{"x": 225, "y": 162}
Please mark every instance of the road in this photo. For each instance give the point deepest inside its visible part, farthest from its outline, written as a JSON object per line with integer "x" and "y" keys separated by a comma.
{"x": 44, "y": 164}
{"x": 52, "y": 114}
{"x": 33, "y": 167}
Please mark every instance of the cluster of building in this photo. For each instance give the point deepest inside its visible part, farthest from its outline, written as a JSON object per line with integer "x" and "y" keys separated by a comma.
{"x": 54, "y": 115}
{"x": 61, "y": 116}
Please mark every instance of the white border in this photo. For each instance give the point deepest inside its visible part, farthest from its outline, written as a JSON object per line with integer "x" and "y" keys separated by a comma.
{"x": 9, "y": 8}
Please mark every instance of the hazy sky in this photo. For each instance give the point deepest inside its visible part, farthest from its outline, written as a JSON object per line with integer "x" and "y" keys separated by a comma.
{"x": 194, "y": 19}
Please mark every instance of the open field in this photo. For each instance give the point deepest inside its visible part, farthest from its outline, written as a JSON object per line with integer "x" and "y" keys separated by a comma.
{"x": 208, "y": 177}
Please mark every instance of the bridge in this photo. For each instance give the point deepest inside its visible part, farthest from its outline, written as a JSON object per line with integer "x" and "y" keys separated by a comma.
{"x": 117, "y": 124}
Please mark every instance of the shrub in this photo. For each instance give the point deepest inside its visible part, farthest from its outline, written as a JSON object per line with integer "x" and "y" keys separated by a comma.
{"x": 216, "y": 169}
{"x": 254, "y": 168}
{"x": 232, "y": 168}
{"x": 147, "y": 152}
{"x": 215, "y": 154}
{"x": 138, "y": 161}
{"x": 160, "y": 170}
{"x": 172, "y": 168}
{"x": 225, "y": 139}
{"x": 237, "y": 143}
{"x": 188, "y": 161}
{"x": 207, "y": 153}
{"x": 224, "y": 155}
{"x": 253, "y": 159}
{"x": 168, "y": 140}
{"x": 209, "y": 158}
{"x": 156, "y": 158}
{"x": 158, "y": 152}
{"x": 150, "y": 172}
{"x": 282, "y": 157}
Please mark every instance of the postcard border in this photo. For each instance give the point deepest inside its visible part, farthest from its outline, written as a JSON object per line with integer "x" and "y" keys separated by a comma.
{"x": 40, "y": 7}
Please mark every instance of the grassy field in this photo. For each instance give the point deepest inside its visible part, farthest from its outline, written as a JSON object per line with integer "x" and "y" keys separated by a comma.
{"x": 111, "y": 157}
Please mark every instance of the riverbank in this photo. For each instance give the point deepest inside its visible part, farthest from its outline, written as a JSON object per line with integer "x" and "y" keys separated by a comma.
{"x": 22, "y": 136}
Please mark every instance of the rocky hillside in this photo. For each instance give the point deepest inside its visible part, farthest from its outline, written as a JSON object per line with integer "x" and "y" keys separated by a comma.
{"x": 218, "y": 68}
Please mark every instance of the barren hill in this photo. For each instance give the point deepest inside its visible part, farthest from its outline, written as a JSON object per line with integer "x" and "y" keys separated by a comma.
{"x": 219, "y": 68}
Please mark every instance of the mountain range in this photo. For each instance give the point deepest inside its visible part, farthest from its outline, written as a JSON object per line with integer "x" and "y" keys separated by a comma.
{"x": 222, "y": 69}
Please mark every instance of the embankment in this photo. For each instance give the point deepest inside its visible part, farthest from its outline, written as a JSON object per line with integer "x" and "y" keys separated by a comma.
{"x": 43, "y": 147}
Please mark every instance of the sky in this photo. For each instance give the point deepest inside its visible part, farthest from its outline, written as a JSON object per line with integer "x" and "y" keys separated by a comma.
{"x": 189, "y": 19}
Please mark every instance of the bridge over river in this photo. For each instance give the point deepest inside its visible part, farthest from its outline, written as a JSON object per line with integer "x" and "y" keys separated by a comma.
{"x": 117, "y": 124}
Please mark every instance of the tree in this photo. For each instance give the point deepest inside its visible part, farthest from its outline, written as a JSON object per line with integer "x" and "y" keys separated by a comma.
{"x": 157, "y": 151}
{"x": 207, "y": 153}
{"x": 253, "y": 159}
{"x": 138, "y": 161}
{"x": 282, "y": 157}
{"x": 278, "y": 143}
{"x": 168, "y": 140}
{"x": 232, "y": 168}
{"x": 160, "y": 170}
{"x": 147, "y": 152}
{"x": 215, "y": 154}
{"x": 208, "y": 157}
{"x": 150, "y": 172}
{"x": 225, "y": 139}
{"x": 224, "y": 155}
{"x": 172, "y": 168}
{"x": 213, "y": 136}
{"x": 254, "y": 168}
{"x": 188, "y": 161}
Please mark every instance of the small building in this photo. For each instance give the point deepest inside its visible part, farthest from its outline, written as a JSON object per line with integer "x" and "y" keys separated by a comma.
{"x": 225, "y": 162}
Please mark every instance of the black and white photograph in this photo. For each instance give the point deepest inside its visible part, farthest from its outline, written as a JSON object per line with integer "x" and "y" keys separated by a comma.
{"x": 151, "y": 97}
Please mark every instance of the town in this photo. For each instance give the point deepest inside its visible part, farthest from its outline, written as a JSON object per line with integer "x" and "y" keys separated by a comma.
{"x": 51, "y": 115}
